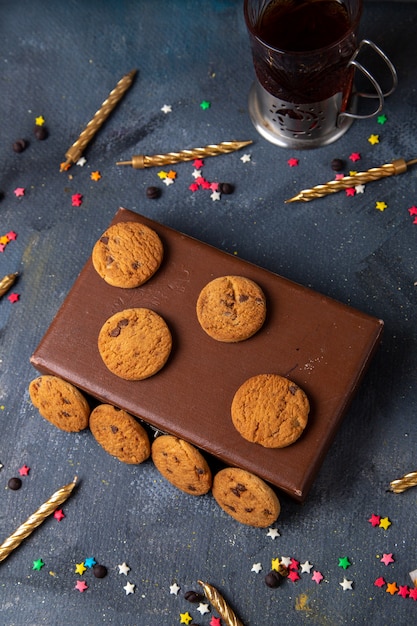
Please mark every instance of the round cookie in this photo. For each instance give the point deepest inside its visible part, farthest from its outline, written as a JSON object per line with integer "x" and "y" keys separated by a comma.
{"x": 127, "y": 254}
{"x": 135, "y": 343}
{"x": 181, "y": 464}
{"x": 60, "y": 403}
{"x": 270, "y": 410}
{"x": 231, "y": 308}
{"x": 246, "y": 497}
{"x": 120, "y": 434}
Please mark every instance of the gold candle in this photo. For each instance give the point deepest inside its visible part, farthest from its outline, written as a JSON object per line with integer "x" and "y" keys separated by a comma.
{"x": 402, "y": 484}
{"x": 220, "y": 605}
{"x": 36, "y": 519}
{"x": 399, "y": 166}
{"x": 77, "y": 148}
{"x": 7, "y": 282}
{"x": 140, "y": 161}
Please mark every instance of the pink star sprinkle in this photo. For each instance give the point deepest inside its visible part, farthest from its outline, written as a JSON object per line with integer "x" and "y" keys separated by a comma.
{"x": 11, "y": 235}
{"x": 355, "y": 156}
{"x": 403, "y": 591}
{"x": 76, "y": 199}
{"x": 380, "y": 582}
{"x": 374, "y": 519}
{"x": 13, "y": 297}
{"x": 2, "y": 247}
{"x": 198, "y": 163}
{"x": 81, "y": 586}
{"x": 317, "y": 577}
{"x": 59, "y": 515}
{"x": 293, "y": 576}
{"x": 350, "y": 191}
{"x": 387, "y": 559}
{"x": 339, "y": 176}
{"x": 292, "y": 162}
{"x": 24, "y": 470}
{"x": 19, "y": 192}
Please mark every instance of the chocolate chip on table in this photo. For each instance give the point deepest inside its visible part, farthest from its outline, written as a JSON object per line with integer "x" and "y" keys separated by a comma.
{"x": 14, "y": 483}
{"x": 20, "y": 145}
{"x": 153, "y": 192}
{"x": 193, "y": 596}
{"x": 226, "y": 188}
{"x": 40, "y": 132}
{"x": 273, "y": 579}
{"x": 99, "y": 571}
{"x": 337, "y": 165}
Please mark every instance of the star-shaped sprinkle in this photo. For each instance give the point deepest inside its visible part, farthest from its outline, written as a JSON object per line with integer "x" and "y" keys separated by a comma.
{"x": 95, "y": 175}
{"x": 81, "y": 161}
{"x": 167, "y": 108}
{"x": 38, "y": 564}
{"x": 196, "y": 174}
{"x": 168, "y": 181}
{"x": 350, "y": 191}
{"x": 306, "y": 567}
{"x": 198, "y": 163}
{"x": 353, "y": 173}
{"x": 359, "y": 188}
{"x": 81, "y": 586}
{"x": 403, "y": 591}
{"x": 205, "y": 104}
{"x": 413, "y": 593}
{"x": 90, "y": 562}
{"x": 172, "y": 174}
{"x": 384, "y": 523}
{"x": 19, "y": 192}
{"x": 380, "y": 582}
{"x": 344, "y": 562}
{"x": 381, "y": 119}
{"x": 273, "y": 533}
{"x": 203, "y": 608}
{"x": 59, "y": 515}
{"x": 293, "y": 162}
{"x": 215, "y": 195}
{"x": 162, "y": 174}
{"x": 256, "y": 567}
{"x": 294, "y": 576}
{"x": 129, "y": 588}
{"x": 24, "y": 470}
{"x": 294, "y": 564}
{"x": 214, "y": 186}
{"x": 373, "y": 139}
{"x": 387, "y": 559}
{"x": 413, "y": 210}
{"x": 185, "y": 618}
{"x": 275, "y": 564}
{"x": 381, "y": 206}
{"x": 285, "y": 561}
{"x": 11, "y": 235}
{"x": 355, "y": 156}
{"x": 174, "y": 589}
{"x": 193, "y": 187}
{"x": 317, "y": 577}
{"x": 124, "y": 569}
{"x": 339, "y": 176}
{"x": 80, "y": 568}
{"x": 346, "y": 584}
{"x": 245, "y": 158}
{"x": 39, "y": 121}
{"x": 374, "y": 519}
{"x": 391, "y": 588}
{"x": 76, "y": 199}
{"x": 13, "y": 297}
{"x": 215, "y": 621}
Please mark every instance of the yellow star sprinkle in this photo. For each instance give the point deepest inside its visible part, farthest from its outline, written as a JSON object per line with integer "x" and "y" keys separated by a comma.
{"x": 373, "y": 139}
{"x": 185, "y": 618}
{"x": 95, "y": 175}
{"x": 275, "y": 564}
{"x": 80, "y": 568}
{"x": 39, "y": 121}
{"x": 162, "y": 174}
{"x": 352, "y": 173}
{"x": 381, "y": 206}
{"x": 384, "y": 523}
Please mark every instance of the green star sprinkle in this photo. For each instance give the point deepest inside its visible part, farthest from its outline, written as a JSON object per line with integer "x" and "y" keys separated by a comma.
{"x": 381, "y": 119}
{"x": 205, "y": 105}
{"x": 38, "y": 564}
{"x": 344, "y": 562}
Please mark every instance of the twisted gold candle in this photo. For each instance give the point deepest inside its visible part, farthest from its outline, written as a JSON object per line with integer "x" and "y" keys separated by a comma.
{"x": 6, "y": 282}
{"x": 35, "y": 520}
{"x": 399, "y": 166}
{"x": 220, "y": 605}
{"x": 140, "y": 161}
{"x": 402, "y": 484}
{"x": 77, "y": 148}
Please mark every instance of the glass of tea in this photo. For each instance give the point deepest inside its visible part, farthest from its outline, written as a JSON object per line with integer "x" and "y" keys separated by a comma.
{"x": 305, "y": 55}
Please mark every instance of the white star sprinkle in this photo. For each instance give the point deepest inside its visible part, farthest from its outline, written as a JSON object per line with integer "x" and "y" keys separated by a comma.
{"x": 360, "y": 188}
{"x": 215, "y": 196}
{"x": 123, "y": 569}
{"x": 196, "y": 173}
{"x": 285, "y": 560}
{"x": 245, "y": 158}
{"x": 168, "y": 181}
{"x": 306, "y": 567}
{"x": 203, "y": 608}
{"x": 256, "y": 567}
{"x": 273, "y": 533}
{"x": 129, "y": 588}
{"x": 167, "y": 108}
{"x": 346, "y": 584}
{"x": 174, "y": 589}
{"x": 82, "y": 161}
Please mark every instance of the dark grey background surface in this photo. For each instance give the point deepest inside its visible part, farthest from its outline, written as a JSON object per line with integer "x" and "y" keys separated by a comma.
{"x": 60, "y": 60}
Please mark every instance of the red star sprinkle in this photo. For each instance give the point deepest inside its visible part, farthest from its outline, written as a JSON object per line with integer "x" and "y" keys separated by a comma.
{"x": 294, "y": 565}
{"x": 415, "y": 220}
{"x": 374, "y": 519}
{"x": 205, "y": 184}
{"x": 24, "y": 470}
{"x": 215, "y": 621}
{"x": 59, "y": 515}
{"x": 380, "y": 582}
{"x": 292, "y": 162}
{"x": 193, "y": 187}
{"x": 403, "y": 591}
{"x": 413, "y": 210}
{"x": 350, "y": 191}
{"x": 13, "y": 297}
{"x": 81, "y": 586}
{"x": 413, "y": 593}
{"x": 19, "y": 192}
{"x": 355, "y": 156}
{"x": 11, "y": 235}
{"x": 200, "y": 180}
{"x": 198, "y": 163}
{"x": 294, "y": 576}
{"x": 77, "y": 199}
